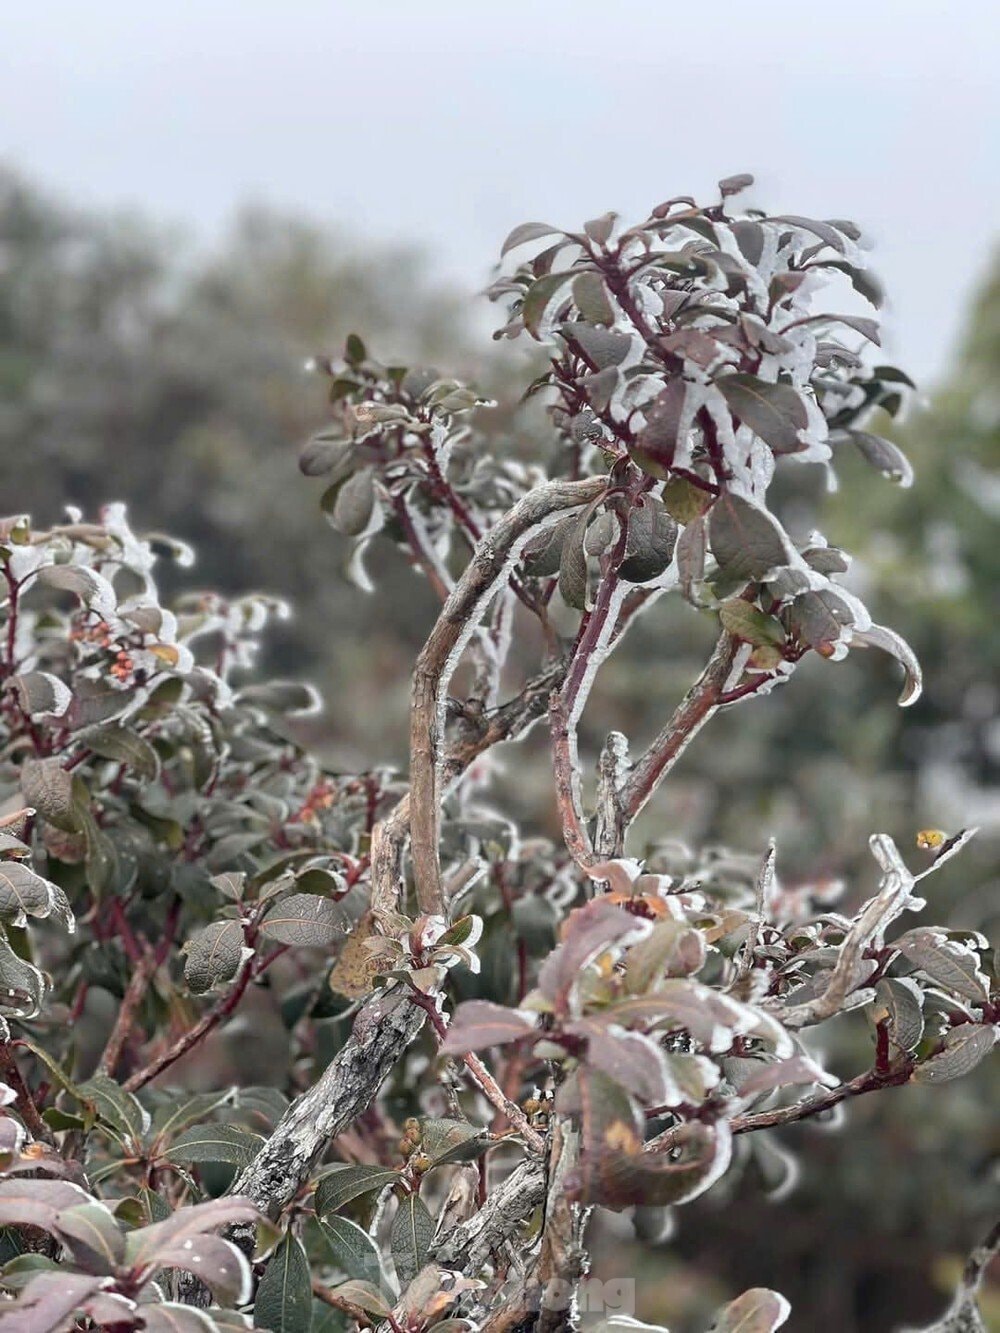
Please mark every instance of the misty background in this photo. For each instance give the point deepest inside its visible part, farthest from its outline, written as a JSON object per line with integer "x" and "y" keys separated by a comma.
{"x": 194, "y": 200}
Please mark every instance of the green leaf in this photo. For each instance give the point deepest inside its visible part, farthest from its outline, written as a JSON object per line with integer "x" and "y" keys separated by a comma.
{"x": 344, "y": 1183}
{"x": 352, "y": 1250}
{"x": 176, "y": 1115}
{"x": 215, "y": 1143}
{"x": 446, "y": 1141}
{"x": 305, "y": 919}
{"x": 684, "y": 501}
{"x": 752, "y": 626}
{"x": 284, "y": 1296}
{"x": 411, "y": 1236}
{"x": 775, "y": 412}
{"x": 354, "y": 350}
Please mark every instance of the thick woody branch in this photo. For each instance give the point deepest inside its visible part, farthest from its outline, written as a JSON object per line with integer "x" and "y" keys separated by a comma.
{"x": 487, "y": 572}
{"x": 383, "y": 1029}
{"x": 508, "y": 722}
{"x": 470, "y": 1245}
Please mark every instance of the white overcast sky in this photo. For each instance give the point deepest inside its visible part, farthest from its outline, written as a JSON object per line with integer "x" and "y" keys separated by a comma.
{"x": 444, "y": 123}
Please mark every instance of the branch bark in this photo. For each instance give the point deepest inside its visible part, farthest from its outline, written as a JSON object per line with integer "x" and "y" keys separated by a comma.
{"x": 470, "y": 1245}
{"x": 698, "y": 705}
{"x": 488, "y": 569}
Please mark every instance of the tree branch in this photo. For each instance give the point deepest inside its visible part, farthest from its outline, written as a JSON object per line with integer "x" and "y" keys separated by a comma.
{"x": 699, "y": 704}
{"x": 470, "y": 1245}
{"x": 488, "y": 569}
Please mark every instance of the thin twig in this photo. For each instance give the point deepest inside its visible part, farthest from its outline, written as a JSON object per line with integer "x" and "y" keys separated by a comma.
{"x": 135, "y": 991}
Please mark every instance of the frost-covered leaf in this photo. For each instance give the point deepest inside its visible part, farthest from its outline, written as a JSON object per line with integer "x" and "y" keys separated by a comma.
{"x": 305, "y": 919}
{"x": 746, "y": 540}
{"x": 899, "y": 1002}
{"x": 351, "y": 1249}
{"x": 215, "y": 1143}
{"x": 591, "y": 298}
{"x": 758, "y": 1310}
{"x": 541, "y": 297}
{"x": 24, "y": 894}
{"x": 217, "y": 1263}
{"x": 144, "y": 1246}
{"x": 50, "y": 789}
{"x": 343, "y": 1183}
{"x": 949, "y": 962}
{"x": 775, "y": 412}
{"x": 367, "y": 1296}
{"x": 213, "y": 956}
{"x": 354, "y": 504}
{"x": 573, "y": 570}
{"x": 92, "y": 1235}
{"x": 93, "y": 589}
{"x": 410, "y": 1238}
{"x": 481, "y": 1023}
{"x": 783, "y": 1073}
{"x": 39, "y": 694}
{"x": 964, "y": 1048}
{"x": 650, "y": 542}
{"x": 588, "y": 931}
{"x": 672, "y": 949}
{"x": 528, "y": 231}
{"x": 655, "y": 445}
{"x": 127, "y": 747}
{"x": 877, "y": 636}
{"x": 883, "y": 455}
{"x": 284, "y": 1296}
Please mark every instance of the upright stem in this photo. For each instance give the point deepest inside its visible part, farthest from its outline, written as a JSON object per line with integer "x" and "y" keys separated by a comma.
{"x": 486, "y": 573}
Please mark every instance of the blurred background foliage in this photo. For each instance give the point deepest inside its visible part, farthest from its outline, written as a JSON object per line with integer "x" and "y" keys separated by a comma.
{"x": 135, "y": 366}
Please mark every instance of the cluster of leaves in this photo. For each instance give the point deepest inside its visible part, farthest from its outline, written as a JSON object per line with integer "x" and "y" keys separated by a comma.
{"x": 676, "y": 998}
